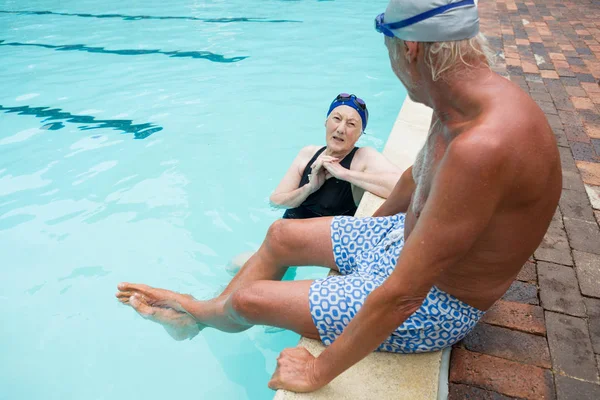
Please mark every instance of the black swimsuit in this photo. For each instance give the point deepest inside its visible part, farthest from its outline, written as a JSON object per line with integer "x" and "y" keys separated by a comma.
{"x": 333, "y": 198}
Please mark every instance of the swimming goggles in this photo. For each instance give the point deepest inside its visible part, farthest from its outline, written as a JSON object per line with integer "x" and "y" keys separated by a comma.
{"x": 351, "y": 97}
{"x": 387, "y": 29}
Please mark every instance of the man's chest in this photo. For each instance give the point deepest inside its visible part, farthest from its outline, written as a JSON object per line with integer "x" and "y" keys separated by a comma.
{"x": 425, "y": 167}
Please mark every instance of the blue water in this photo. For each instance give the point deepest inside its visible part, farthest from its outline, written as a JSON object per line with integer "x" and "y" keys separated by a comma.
{"x": 139, "y": 141}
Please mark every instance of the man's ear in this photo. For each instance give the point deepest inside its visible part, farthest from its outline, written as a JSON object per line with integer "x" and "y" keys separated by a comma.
{"x": 411, "y": 51}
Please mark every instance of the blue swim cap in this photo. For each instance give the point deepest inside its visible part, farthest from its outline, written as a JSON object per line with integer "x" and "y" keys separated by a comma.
{"x": 350, "y": 100}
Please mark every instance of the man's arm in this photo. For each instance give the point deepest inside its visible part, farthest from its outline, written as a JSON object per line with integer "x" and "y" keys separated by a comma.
{"x": 400, "y": 198}
{"x": 466, "y": 191}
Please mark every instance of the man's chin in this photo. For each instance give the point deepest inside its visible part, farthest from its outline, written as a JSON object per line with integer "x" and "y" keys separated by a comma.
{"x": 416, "y": 99}
{"x": 412, "y": 97}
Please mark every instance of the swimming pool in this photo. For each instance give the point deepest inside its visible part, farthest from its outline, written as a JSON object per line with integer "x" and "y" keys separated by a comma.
{"x": 140, "y": 141}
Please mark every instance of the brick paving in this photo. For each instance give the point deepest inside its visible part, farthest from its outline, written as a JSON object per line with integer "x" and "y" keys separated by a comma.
{"x": 542, "y": 340}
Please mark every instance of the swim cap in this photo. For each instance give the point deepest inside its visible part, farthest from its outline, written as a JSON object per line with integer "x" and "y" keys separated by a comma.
{"x": 350, "y": 100}
{"x": 432, "y": 20}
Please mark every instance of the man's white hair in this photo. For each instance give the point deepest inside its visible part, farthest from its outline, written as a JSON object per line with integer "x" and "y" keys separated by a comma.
{"x": 446, "y": 58}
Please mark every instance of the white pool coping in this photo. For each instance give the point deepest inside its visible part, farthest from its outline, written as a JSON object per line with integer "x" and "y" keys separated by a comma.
{"x": 383, "y": 375}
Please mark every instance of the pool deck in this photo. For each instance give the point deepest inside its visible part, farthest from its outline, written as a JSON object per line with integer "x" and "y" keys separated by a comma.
{"x": 542, "y": 340}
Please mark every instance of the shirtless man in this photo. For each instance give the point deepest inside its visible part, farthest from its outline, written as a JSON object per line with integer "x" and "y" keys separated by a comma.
{"x": 443, "y": 248}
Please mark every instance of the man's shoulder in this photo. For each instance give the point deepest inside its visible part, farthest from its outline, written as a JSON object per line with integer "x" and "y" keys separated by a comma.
{"x": 508, "y": 126}
{"x": 503, "y": 143}
{"x": 479, "y": 151}
{"x": 515, "y": 115}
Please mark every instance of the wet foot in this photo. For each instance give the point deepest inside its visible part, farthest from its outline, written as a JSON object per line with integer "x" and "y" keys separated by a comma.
{"x": 160, "y": 306}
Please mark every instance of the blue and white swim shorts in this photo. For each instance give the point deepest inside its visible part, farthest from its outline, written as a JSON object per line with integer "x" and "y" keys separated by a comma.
{"x": 366, "y": 251}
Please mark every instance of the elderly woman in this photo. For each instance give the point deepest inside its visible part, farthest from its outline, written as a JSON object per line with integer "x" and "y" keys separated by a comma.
{"x": 330, "y": 180}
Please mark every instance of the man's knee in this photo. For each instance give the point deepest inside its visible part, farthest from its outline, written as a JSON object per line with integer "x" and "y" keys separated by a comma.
{"x": 279, "y": 236}
{"x": 247, "y": 305}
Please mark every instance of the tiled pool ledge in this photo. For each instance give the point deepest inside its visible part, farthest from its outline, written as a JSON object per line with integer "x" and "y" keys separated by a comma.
{"x": 384, "y": 375}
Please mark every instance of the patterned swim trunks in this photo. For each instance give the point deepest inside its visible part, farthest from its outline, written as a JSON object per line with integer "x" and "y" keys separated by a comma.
{"x": 366, "y": 251}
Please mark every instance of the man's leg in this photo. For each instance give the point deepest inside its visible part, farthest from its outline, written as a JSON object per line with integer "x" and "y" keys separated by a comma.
{"x": 288, "y": 243}
{"x": 281, "y": 304}
{"x": 252, "y": 297}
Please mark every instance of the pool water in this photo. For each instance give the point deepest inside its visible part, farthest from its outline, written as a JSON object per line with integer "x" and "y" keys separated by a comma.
{"x": 139, "y": 141}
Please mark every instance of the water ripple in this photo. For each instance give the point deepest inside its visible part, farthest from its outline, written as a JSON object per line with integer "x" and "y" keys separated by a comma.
{"x": 205, "y": 55}
{"x": 151, "y": 17}
{"x": 86, "y": 272}
{"x": 140, "y": 131}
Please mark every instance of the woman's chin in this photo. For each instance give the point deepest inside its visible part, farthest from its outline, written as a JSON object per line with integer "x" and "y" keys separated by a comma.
{"x": 335, "y": 145}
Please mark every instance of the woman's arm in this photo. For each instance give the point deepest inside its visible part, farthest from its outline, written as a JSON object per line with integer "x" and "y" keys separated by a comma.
{"x": 291, "y": 199}
{"x": 400, "y": 198}
{"x": 287, "y": 194}
{"x": 373, "y": 172}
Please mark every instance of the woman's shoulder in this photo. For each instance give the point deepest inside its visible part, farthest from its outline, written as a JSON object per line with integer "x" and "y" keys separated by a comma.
{"x": 365, "y": 150}
{"x": 311, "y": 148}
{"x": 304, "y": 156}
{"x": 366, "y": 153}
{"x": 308, "y": 151}
{"x": 368, "y": 157}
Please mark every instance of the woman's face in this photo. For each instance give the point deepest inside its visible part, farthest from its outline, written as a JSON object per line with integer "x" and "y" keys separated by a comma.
{"x": 343, "y": 128}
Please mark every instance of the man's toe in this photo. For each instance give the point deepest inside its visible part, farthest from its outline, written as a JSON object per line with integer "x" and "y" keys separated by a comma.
{"x": 143, "y": 309}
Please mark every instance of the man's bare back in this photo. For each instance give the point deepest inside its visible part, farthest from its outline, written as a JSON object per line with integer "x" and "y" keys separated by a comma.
{"x": 514, "y": 125}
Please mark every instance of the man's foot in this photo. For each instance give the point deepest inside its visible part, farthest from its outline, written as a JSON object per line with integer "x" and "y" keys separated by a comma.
{"x": 160, "y": 306}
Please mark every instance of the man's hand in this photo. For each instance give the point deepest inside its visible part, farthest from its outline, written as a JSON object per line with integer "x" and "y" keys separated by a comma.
{"x": 296, "y": 372}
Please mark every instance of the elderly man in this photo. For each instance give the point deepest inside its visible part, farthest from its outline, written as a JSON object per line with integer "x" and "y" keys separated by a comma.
{"x": 441, "y": 250}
